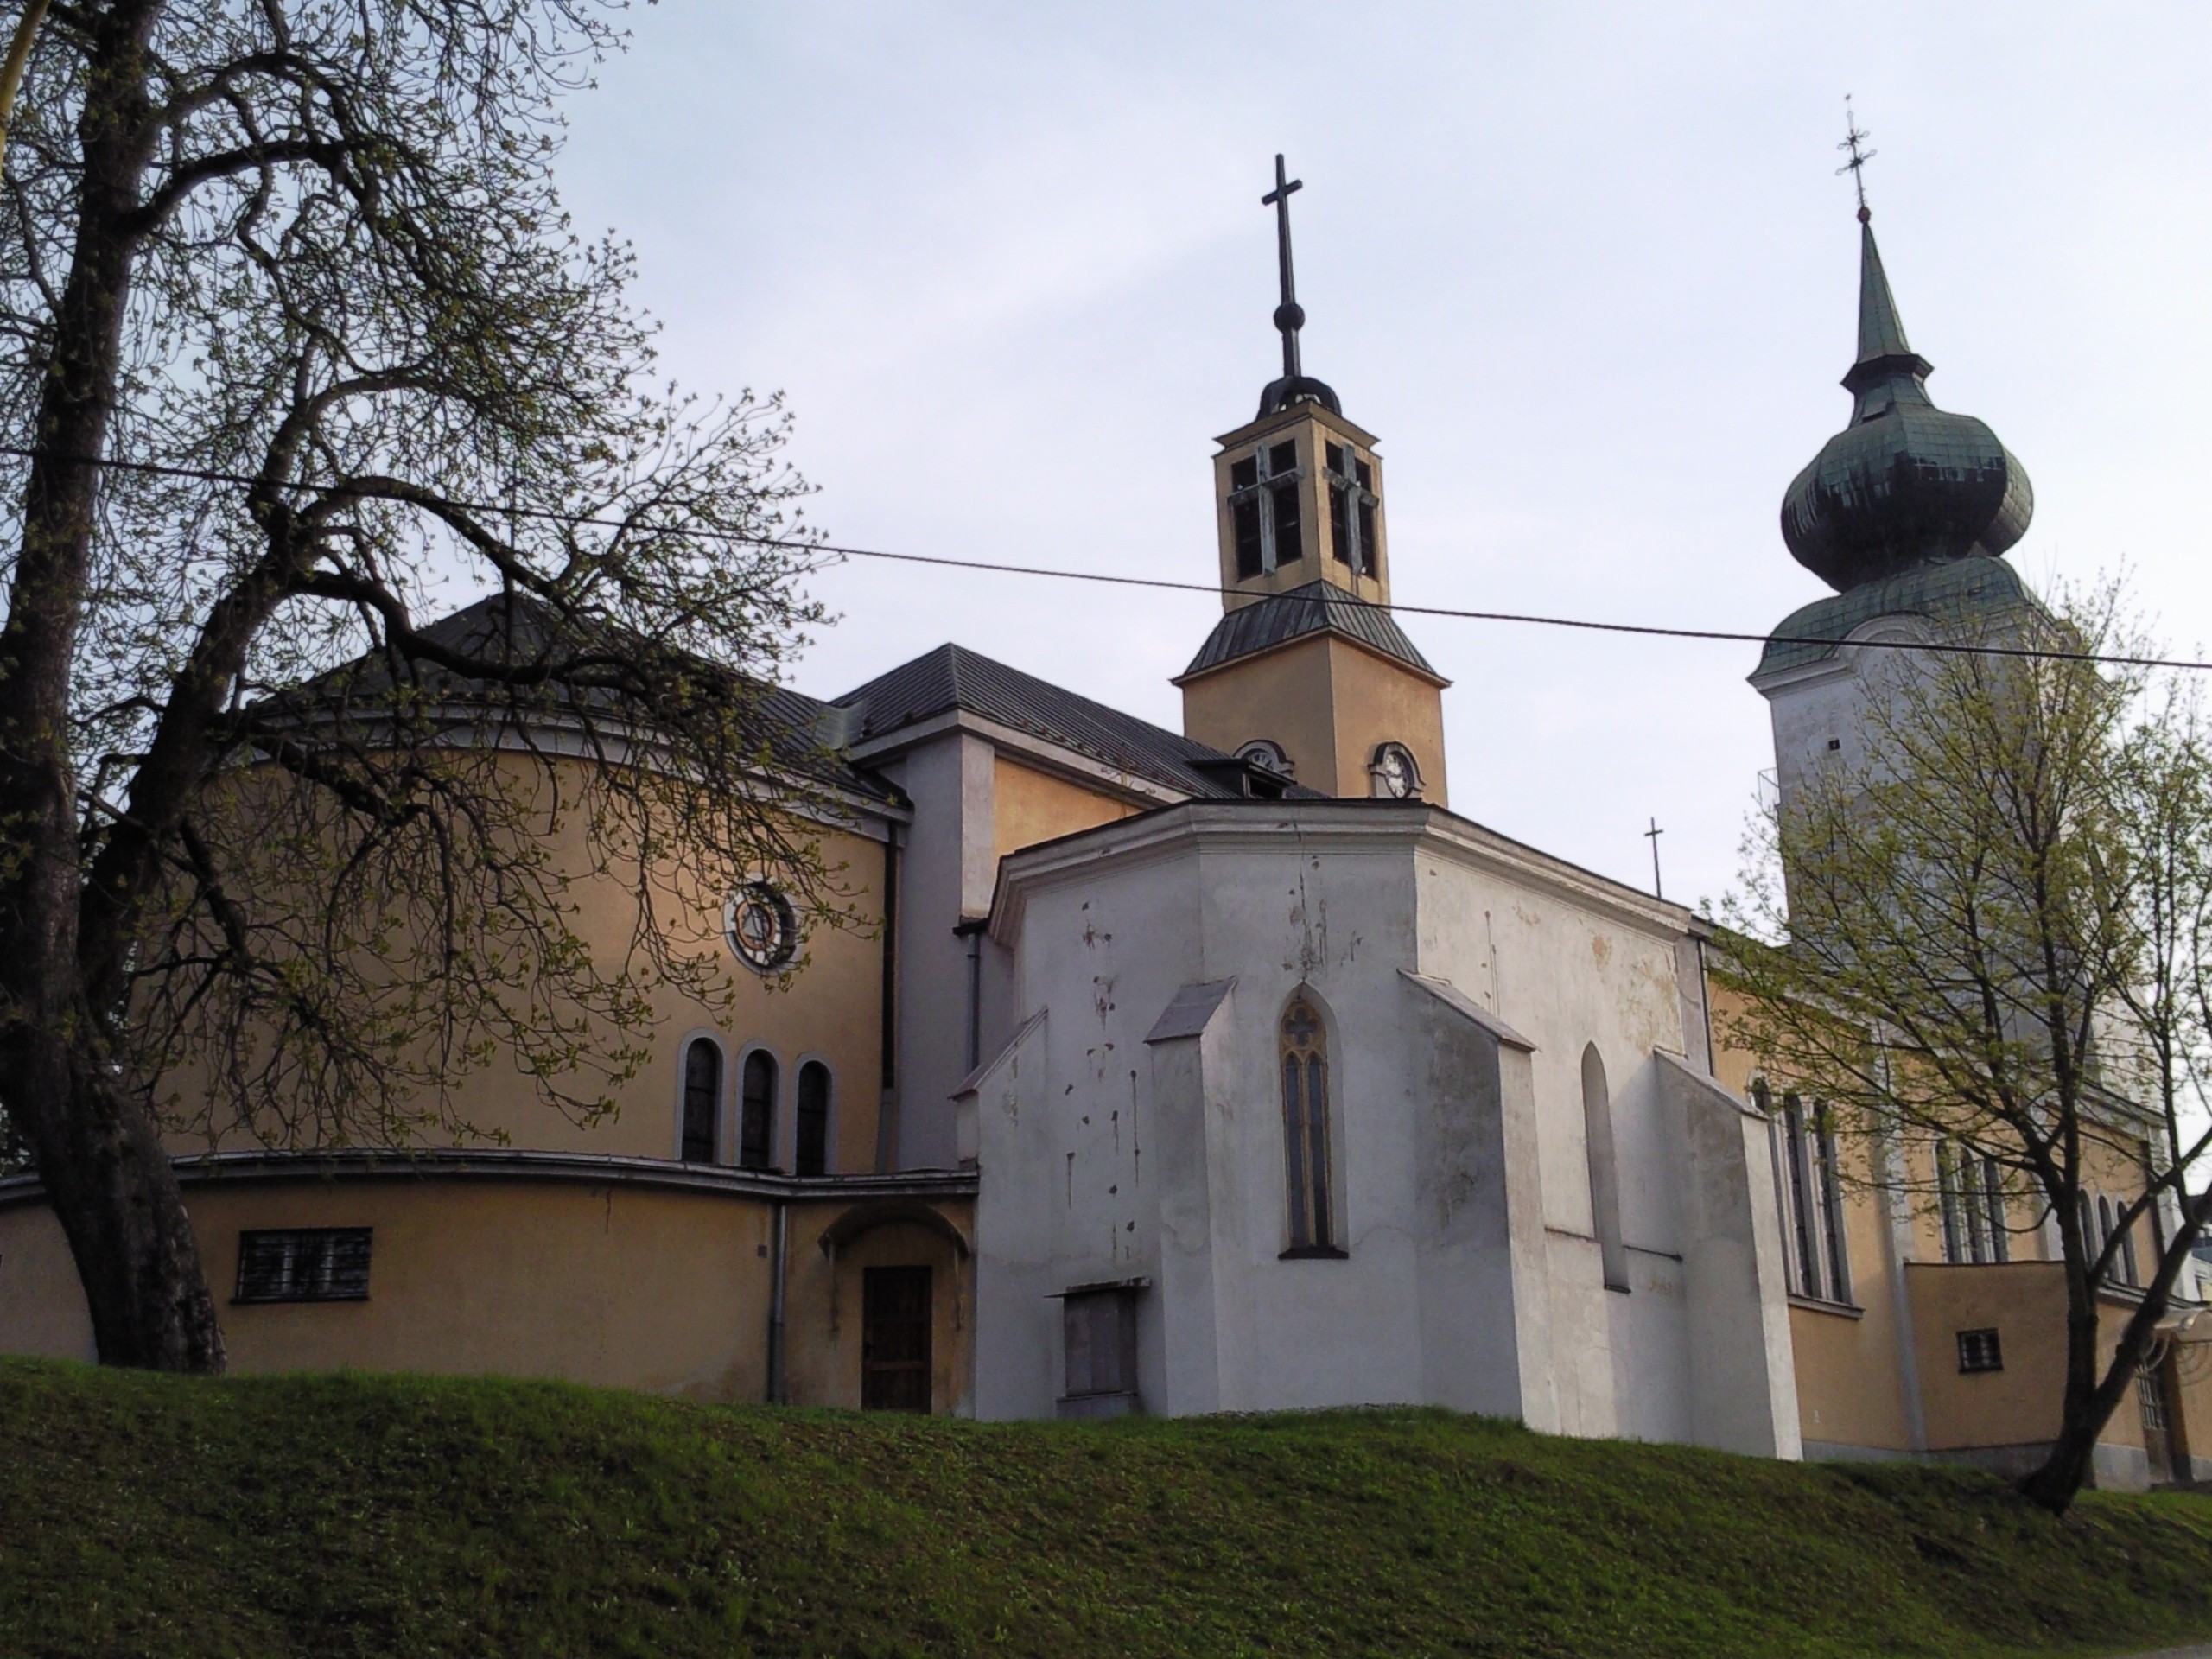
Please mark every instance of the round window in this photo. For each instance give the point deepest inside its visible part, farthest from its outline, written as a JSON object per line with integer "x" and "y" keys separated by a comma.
{"x": 761, "y": 927}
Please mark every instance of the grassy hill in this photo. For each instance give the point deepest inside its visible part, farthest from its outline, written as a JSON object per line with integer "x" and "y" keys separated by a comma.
{"x": 405, "y": 1515}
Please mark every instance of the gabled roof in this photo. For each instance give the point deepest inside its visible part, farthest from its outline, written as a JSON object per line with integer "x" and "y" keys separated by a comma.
{"x": 954, "y": 677}
{"x": 1317, "y": 607}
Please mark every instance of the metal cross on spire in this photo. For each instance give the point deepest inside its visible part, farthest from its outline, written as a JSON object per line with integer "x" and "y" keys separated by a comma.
{"x": 1289, "y": 316}
{"x": 1853, "y": 137}
{"x": 1652, "y": 836}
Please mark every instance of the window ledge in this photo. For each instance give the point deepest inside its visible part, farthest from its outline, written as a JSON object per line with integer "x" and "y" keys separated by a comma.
{"x": 1821, "y": 1305}
{"x": 1314, "y": 1253}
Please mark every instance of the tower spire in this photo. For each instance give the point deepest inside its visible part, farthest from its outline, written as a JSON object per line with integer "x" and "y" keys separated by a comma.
{"x": 1294, "y": 387}
{"x": 1290, "y": 316}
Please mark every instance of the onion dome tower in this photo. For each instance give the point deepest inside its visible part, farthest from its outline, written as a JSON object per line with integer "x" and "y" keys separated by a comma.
{"x": 1905, "y": 483}
{"x": 1904, "y": 513}
{"x": 1307, "y": 676}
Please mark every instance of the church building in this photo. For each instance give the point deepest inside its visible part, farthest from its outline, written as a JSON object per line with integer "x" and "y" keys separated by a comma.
{"x": 1172, "y": 1072}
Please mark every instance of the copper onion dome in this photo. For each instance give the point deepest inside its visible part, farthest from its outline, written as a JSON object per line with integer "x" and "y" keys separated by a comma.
{"x": 1905, "y": 483}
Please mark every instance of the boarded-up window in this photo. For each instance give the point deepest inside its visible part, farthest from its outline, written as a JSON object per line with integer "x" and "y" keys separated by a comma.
{"x": 304, "y": 1264}
{"x": 1305, "y": 1128}
{"x": 1100, "y": 1329}
{"x": 756, "y": 1124}
{"x": 812, "y": 1122}
{"x": 895, "y": 1339}
{"x": 1978, "y": 1352}
{"x": 703, "y": 1099}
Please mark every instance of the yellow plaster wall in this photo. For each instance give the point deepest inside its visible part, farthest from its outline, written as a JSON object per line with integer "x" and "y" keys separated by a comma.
{"x": 41, "y": 1310}
{"x": 1378, "y": 701}
{"x": 614, "y": 1284}
{"x": 830, "y": 1009}
{"x": 1284, "y": 695}
{"x": 1028, "y": 806}
{"x": 2189, "y": 1374}
{"x": 1328, "y": 703}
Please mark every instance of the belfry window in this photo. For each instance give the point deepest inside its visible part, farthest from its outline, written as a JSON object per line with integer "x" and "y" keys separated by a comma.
{"x": 1305, "y": 1130}
{"x": 812, "y": 1155}
{"x": 703, "y": 1095}
{"x": 1263, "y": 506}
{"x": 756, "y": 1124}
{"x": 1352, "y": 502}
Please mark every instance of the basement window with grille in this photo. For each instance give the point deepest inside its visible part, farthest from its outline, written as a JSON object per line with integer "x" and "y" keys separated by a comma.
{"x": 304, "y": 1264}
{"x": 1977, "y": 1351}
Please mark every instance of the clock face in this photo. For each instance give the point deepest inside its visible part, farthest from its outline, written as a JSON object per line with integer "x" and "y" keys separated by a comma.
{"x": 1396, "y": 776}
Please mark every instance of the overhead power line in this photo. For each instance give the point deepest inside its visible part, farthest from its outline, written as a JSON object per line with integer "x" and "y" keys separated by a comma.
{"x": 1528, "y": 619}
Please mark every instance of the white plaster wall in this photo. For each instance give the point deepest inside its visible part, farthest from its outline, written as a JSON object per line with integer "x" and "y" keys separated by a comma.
{"x": 1117, "y": 1159}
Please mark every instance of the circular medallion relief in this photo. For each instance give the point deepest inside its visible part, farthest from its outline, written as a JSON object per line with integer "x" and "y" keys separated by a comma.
{"x": 761, "y": 927}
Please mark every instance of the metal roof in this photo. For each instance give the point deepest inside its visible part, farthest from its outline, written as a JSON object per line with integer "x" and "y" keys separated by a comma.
{"x": 1317, "y": 607}
{"x": 952, "y": 676}
{"x": 1956, "y": 595}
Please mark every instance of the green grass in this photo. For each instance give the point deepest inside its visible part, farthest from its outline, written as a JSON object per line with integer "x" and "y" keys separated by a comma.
{"x": 338, "y": 1516}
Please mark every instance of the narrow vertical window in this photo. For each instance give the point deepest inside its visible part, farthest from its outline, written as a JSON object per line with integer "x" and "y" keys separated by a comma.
{"x": 703, "y": 1099}
{"x": 1839, "y": 1269}
{"x": 1370, "y": 564}
{"x": 2127, "y": 1274}
{"x": 1800, "y": 1199}
{"x": 1605, "y": 1170}
{"x": 1305, "y": 1128}
{"x": 1289, "y": 541}
{"x": 1340, "y": 514}
{"x": 1992, "y": 1198}
{"x": 1946, "y": 1202}
{"x": 1244, "y": 514}
{"x": 812, "y": 1123}
{"x": 757, "y": 1122}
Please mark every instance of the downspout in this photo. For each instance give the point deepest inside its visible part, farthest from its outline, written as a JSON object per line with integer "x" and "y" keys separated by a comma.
{"x": 887, "y": 1116}
{"x": 1705, "y": 1007}
{"x": 972, "y": 932}
{"x": 779, "y": 1268}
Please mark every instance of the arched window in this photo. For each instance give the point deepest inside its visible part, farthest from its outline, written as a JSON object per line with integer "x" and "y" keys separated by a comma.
{"x": 1605, "y": 1170}
{"x": 702, "y": 1100}
{"x": 1306, "y": 1126}
{"x": 811, "y": 1156}
{"x": 756, "y": 1125}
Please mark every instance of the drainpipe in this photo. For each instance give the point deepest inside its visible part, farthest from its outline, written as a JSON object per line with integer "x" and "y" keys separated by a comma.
{"x": 778, "y": 1269}
{"x": 973, "y": 932}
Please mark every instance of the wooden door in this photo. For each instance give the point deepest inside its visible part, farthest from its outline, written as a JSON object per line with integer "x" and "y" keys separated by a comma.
{"x": 895, "y": 1306}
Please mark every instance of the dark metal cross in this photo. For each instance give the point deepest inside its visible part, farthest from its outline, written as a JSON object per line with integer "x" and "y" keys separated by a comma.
{"x": 1652, "y": 836}
{"x": 1289, "y": 318}
{"x": 1853, "y": 137}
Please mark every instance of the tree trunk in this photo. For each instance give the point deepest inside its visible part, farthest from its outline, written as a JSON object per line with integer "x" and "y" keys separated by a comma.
{"x": 115, "y": 1192}
{"x": 2091, "y": 1400}
{"x": 99, "y": 1155}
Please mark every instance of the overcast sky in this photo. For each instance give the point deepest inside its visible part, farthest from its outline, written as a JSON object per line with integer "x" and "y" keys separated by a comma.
{"x": 1587, "y": 272}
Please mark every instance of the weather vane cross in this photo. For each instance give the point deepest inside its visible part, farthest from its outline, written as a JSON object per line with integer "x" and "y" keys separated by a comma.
{"x": 1853, "y": 137}
{"x": 1289, "y": 317}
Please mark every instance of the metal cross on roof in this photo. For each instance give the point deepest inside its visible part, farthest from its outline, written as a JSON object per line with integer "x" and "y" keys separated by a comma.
{"x": 1853, "y": 137}
{"x": 1289, "y": 317}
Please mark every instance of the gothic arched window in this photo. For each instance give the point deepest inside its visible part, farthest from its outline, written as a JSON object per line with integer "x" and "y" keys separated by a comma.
{"x": 702, "y": 1096}
{"x": 756, "y": 1124}
{"x": 811, "y": 1155}
{"x": 1306, "y": 1126}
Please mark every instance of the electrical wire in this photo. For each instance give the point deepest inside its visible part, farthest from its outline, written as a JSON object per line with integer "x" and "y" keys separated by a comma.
{"x": 990, "y": 567}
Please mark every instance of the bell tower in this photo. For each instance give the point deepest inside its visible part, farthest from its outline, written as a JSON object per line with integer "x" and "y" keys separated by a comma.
{"x": 1308, "y": 674}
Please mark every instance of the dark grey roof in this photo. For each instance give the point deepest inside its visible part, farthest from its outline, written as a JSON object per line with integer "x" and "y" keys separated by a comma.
{"x": 1317, "y": 607}
{"x": 515, "y": 630}
{"x": 1958, "y": 596}
{"x": 952, "y": 676}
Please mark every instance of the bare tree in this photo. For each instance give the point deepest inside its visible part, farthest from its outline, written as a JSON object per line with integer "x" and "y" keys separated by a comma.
{"x": 298, "y": 347}
{"x": 1983, "y": 944}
